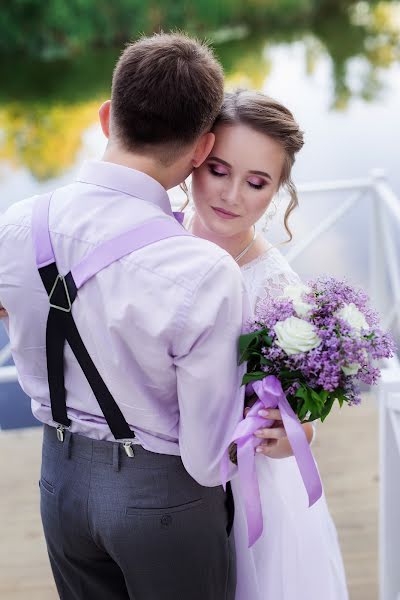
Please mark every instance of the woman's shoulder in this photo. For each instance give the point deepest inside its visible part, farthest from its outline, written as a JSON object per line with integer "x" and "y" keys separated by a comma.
{"x": 271, "y": 262}
{"x": 267, "y": 276}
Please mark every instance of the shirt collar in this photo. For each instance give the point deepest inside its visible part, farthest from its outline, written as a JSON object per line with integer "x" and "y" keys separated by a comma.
{"x": 125, "y": 180}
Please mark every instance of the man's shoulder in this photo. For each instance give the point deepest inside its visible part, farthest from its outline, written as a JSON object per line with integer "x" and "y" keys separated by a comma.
{"x": 197, "y": 260}
{"x": 19, "y": 213}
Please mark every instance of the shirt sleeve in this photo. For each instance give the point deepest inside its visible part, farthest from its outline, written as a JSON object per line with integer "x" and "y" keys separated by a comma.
{"x": 210, "y": 394}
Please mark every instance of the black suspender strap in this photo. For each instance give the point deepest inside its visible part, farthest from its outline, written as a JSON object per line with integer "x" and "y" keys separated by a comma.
{"x": 61, "y": 327}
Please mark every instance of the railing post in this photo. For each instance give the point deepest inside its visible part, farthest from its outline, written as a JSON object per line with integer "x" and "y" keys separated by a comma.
{"x": 377, "y": 280}
{"x": 389, "y": 488}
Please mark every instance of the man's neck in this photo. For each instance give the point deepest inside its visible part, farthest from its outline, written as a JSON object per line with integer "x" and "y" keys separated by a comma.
{"x": 144, "y": 164}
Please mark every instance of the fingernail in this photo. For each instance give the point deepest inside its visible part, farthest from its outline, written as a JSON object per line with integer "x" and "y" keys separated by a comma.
{"x": 259, "y": 449}
{"x": 263, "y": 413}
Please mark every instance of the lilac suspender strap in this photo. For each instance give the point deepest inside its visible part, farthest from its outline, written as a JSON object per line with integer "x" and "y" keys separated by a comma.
{"x": 62, "y": 291}
{"x": 106, "y": 253}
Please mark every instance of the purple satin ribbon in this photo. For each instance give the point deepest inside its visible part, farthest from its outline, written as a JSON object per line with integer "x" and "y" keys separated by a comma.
{"x": 271, "y": 395}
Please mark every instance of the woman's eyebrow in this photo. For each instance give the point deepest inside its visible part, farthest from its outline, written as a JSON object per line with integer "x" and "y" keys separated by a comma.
{"x": 220, "y": 161}
{"x": 263, "y": 173}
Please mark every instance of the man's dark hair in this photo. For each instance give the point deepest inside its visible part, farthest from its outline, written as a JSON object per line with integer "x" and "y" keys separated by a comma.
{"x": 167, "y": 90}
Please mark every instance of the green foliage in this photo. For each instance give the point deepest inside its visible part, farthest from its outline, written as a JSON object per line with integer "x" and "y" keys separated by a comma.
{"x": 61, "y": 28}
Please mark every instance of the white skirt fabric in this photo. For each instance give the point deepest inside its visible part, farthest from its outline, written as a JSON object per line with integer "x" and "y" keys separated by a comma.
{"x": 298, "y": 556}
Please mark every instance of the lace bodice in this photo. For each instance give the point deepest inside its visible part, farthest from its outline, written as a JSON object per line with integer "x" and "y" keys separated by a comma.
{"x": 267, "y": 276}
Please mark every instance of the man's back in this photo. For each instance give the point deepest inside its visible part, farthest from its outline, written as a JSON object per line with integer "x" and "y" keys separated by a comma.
{"x": 161, "y": 324}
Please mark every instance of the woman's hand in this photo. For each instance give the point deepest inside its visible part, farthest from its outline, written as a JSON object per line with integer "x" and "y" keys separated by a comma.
{"x": 3, "y": 312}
{"x": 270, "y": 436}
{"x": 275, "y": 443}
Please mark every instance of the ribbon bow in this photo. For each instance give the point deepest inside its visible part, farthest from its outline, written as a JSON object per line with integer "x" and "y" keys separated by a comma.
{"x": 271, "y": 395}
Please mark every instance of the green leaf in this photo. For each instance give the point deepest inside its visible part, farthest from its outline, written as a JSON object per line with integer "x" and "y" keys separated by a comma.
{"x": 302, "y": 393}
{"x": 255, "y": 376}
{"x": 266, "y": 361}
{"x": 267, "y": 339}
{"x": 327, "y": 408}
{"x": 246, "y": 343}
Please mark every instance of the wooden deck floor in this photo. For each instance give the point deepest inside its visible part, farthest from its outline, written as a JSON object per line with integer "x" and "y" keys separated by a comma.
{"x": 347, "y": 452}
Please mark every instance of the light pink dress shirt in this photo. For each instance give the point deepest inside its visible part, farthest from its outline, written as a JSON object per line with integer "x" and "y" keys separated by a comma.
{"x": 161, "y": 324}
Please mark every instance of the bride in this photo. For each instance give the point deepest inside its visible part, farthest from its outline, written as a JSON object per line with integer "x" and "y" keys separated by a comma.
{"x": 256, "y": 138}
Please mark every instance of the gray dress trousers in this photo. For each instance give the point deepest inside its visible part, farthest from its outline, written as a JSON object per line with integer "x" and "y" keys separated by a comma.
{"x": 132, "y": 528}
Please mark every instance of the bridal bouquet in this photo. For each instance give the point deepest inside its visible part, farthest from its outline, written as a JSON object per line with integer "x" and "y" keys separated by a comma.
{"x": 321, "y": 341}
{"x": 306, "y": 349}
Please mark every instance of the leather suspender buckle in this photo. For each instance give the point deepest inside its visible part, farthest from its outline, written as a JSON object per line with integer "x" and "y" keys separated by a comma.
{"x": 67, "y": 309}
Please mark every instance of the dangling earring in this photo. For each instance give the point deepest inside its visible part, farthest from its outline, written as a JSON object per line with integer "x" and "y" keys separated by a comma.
{"x": 270, "y": 214}
{"x": 186, "y": 191}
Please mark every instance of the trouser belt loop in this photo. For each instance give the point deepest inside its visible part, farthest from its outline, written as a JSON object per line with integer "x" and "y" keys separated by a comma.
{"x": 67, "y": 443}
{"x": 116, "y": 457}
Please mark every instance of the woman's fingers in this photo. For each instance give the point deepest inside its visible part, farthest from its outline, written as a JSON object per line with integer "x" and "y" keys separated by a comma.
{"x": 266, "y": 446}
{"x": 273, "y": 433}
{"x": 271, "y": 413}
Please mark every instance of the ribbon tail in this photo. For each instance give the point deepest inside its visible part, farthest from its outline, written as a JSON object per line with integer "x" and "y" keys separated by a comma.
{"x": 302, "y": 451}
{"x": 250, "y": 490}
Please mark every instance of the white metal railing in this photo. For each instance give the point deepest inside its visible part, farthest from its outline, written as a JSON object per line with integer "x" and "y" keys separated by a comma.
{"x": 7, "y": 374}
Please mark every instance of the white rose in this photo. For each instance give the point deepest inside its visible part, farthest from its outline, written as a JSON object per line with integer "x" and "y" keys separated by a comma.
{"x": 295, "y": 294}
{"x": 295, "y": 335}
{"x": 353, "y": 317}
{"x": 351, "y": 369}
{"x": 355, "y": 367}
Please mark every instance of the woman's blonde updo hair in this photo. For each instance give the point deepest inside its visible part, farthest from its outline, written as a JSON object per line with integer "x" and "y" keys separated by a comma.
{"x": 266, "y": 115}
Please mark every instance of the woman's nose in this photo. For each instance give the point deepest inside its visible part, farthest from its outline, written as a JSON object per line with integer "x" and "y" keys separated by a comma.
{"x": 230, "y": 193}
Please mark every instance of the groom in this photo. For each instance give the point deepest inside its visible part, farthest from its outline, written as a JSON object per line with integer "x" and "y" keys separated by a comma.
{"x": 139, "y": 404}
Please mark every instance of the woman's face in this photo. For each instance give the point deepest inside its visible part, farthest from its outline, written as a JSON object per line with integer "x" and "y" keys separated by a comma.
{"x": 234, "y": 186}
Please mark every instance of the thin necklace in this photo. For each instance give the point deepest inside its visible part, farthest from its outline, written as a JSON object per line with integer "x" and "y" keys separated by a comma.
{"x": 245, "y": 251}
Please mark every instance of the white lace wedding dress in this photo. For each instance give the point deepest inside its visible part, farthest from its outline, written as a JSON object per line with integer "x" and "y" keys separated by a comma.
{"x": 298, "y": 556}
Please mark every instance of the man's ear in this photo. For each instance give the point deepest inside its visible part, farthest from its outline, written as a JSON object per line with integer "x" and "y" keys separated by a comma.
{"x": 203, "y": 149}
{"x": 104, "y": 115}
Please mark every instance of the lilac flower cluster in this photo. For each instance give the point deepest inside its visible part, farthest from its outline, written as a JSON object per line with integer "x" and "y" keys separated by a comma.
{"x": 330, "y": 356}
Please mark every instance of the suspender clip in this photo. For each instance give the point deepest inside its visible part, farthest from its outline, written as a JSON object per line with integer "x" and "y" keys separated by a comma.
{"x": 65, "y": 291}
{"x": 128, "y": 449}
{"x": 60, "y": 432}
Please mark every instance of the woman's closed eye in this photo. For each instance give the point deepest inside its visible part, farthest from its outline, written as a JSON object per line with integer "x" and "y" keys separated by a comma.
{"x": 257, "y": 183}
{"x": 217, "y": 170}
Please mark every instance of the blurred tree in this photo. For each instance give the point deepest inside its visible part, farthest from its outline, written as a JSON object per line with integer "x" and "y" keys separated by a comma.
{"x": 46, "y": 105}
{"x": 46, "y": 139}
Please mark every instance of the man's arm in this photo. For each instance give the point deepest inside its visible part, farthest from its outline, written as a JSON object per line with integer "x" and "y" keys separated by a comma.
{"x": 210, "y": 395}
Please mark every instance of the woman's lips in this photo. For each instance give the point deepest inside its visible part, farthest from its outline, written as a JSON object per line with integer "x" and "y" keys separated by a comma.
{"x": 224, "y": 214}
